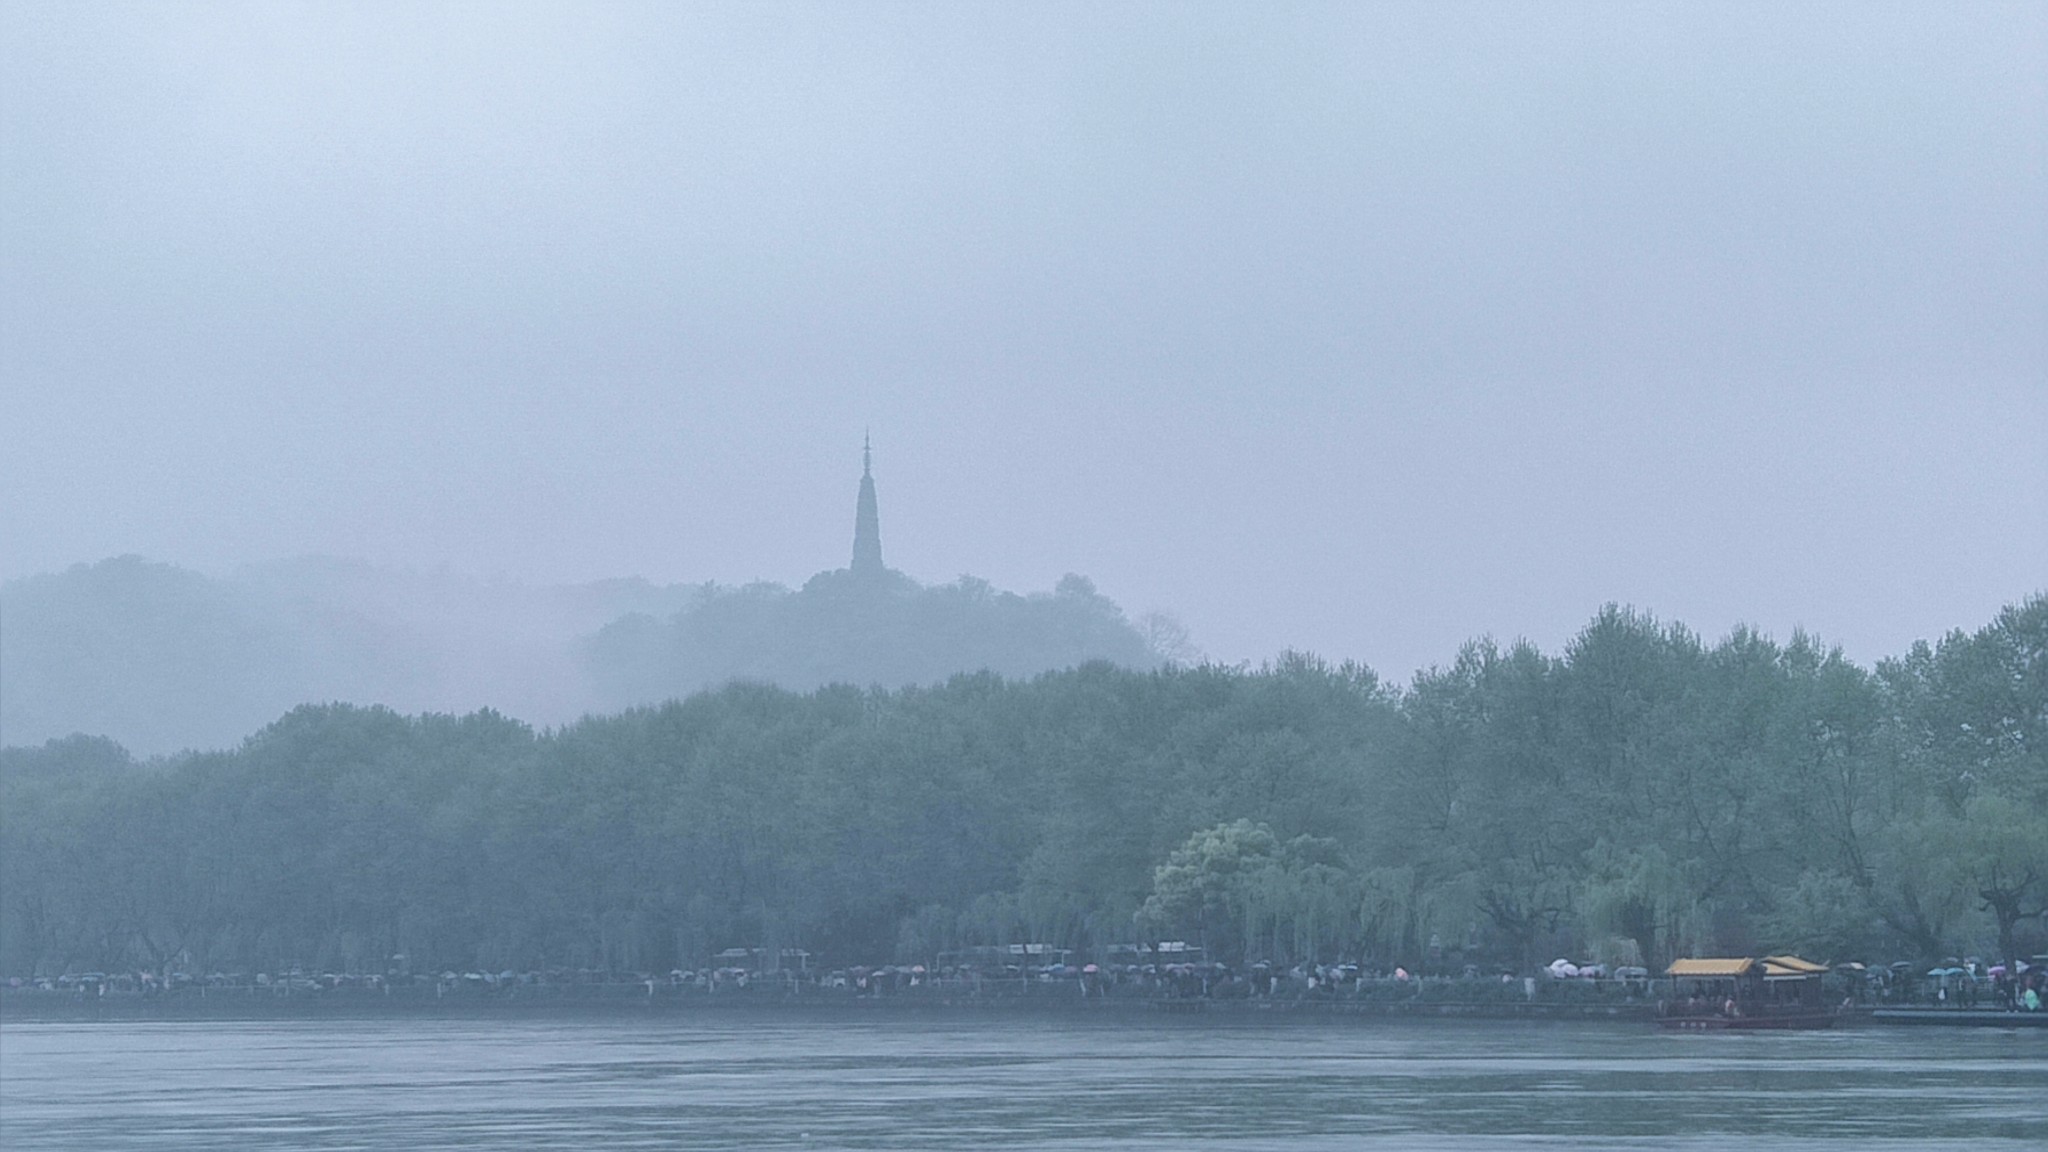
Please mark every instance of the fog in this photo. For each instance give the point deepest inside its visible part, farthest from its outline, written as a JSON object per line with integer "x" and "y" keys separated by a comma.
{"x": 1356, "y": 329}
{"x": 162, "y": 659}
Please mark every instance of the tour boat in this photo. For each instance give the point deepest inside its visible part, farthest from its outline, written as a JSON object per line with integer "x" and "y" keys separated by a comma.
{"x": 1712, "y": 994}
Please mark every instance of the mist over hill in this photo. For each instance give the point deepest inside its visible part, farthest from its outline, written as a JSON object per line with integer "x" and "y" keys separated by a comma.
{"x": 841, "y": 628}
{"x": 162, "y": 658}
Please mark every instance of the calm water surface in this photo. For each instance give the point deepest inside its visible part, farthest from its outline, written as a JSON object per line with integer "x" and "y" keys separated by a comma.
{"x": 1011, "y": 1084}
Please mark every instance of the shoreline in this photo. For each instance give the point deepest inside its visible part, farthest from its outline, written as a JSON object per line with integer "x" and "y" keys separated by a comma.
{"x": 634, "y": 1003}
{"x": 42, "y": 1008}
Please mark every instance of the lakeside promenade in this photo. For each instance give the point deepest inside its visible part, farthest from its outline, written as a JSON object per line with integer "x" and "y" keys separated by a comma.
{"x": 1391, "y": 998}
{"x": 1058, "y": 990}
{"x": 1000, "y": 999}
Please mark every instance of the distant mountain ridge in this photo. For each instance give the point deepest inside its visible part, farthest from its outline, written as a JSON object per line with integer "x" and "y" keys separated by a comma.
{"x": 162, "y": 658}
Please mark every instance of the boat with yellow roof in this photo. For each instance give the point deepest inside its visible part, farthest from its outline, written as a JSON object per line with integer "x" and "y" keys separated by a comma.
{"x": 1713, "y": 994}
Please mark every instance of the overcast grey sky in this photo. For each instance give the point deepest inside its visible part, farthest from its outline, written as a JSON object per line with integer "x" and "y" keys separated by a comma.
{"x": 1359, "y": 328}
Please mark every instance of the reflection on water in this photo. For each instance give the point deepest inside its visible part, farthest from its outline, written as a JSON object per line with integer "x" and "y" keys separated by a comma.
{"x": 1008, "y": 1083}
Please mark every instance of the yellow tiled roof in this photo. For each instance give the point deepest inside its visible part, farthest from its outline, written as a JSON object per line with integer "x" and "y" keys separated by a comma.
{"x": 1791, "y": 966}
{"x": 1711, "y": 967}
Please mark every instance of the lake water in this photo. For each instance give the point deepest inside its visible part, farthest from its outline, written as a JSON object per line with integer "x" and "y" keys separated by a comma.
{"x": 1002, "y": 1082}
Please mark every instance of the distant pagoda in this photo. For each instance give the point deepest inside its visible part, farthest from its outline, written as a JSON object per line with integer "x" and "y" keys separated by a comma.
{"x": 867, "y": 521}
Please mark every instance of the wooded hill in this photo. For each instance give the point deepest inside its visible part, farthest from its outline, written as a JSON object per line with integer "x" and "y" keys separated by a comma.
{"x": 1641, "y": 795}
{"x": 163, "y": 659}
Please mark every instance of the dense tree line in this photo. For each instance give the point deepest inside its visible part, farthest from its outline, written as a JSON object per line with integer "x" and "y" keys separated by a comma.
{"x": 1640, "y": 795}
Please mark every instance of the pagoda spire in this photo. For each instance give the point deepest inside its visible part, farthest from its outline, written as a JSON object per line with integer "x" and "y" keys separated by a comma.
{"x": 867, "y": 520}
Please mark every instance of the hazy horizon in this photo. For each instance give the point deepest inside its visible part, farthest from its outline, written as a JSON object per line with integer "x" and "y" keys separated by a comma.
{"x": 1360, "y": 330}
{"x": 454, "y": 576}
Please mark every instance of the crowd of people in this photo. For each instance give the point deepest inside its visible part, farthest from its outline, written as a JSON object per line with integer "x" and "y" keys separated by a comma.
{"x": 2018, "y": 986}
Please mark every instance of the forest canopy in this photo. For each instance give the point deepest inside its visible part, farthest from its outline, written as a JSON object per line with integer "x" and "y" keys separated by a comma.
{"x": 1641, "y": 795}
